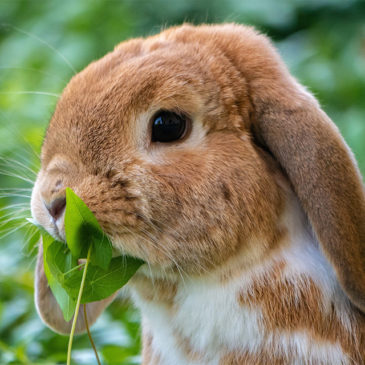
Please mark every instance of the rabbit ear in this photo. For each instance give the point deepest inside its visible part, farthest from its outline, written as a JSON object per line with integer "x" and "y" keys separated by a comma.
{"x": 319, "y": 164}
{"x": 323, "y": 174}
{"x": 49, "y": 310}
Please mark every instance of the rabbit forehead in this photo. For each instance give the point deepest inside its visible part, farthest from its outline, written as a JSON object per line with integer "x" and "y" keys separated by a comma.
{"x": 172, "y": 71}
{"x": 109, "y": 95}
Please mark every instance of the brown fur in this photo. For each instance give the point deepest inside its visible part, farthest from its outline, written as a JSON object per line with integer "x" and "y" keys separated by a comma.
{"x": 260, "y": 358}
{"x": 193, "y": 205}
{"x": 296, "y": 304}
{"x": 162, "y": 291}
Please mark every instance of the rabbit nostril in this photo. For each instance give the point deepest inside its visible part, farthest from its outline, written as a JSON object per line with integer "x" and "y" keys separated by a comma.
{"x": 56, "y": 207}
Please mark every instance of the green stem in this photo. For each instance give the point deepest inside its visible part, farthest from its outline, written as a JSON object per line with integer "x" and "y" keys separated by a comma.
{"x": 90, "y": 337}
{"x": 77, "y": 308}
{"x": 74, "y": 269}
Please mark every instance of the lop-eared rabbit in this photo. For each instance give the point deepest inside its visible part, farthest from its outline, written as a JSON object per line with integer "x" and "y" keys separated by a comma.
{"x": 199, "y": 153}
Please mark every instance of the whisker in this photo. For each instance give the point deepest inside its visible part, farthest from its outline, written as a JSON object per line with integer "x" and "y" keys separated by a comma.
{"x": 26, "y": 151}
{"x": 20, "y": 155}
{"x": 33, "y": 70}
{"x": 34, "y": 92}
{"x": 5, "y": 161}
{"x": 28, "y": 238}
{"x": 11, "y": 230}
{"x": 15, "y": 205}
{"x": 178, "y": 235}
{"x": 16, "y": 189}
{"x": 3, "y": 222}
{"x": 26, "y": 193}
{"x": 149, "y": 265}
{"x": 156, "y": 244}
{"x": 15, "y": 208}
{"x": 31, "y": 35}
{"x": 11, "y": 174}
{"x": 15, "y": 131}
{"x": 146, "y": 253}
{"x": 10, "y": 222}
{"x": 32, "y": 261}
{"x": 14, "y": 195}
{"x": 13, "y": 217}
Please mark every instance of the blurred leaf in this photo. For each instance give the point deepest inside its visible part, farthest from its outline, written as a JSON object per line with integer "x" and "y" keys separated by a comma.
{"x": 114, "y": 354}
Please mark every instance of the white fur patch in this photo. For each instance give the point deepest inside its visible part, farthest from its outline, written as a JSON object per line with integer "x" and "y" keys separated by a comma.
{"x": 306, "y": 350}
{"x": 209, "y": 316}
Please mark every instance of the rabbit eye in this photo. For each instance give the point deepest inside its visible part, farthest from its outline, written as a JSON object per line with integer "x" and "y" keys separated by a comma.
{"x": 168, "y": 127}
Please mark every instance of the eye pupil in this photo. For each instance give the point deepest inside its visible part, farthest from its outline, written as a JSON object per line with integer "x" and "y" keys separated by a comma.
{"x": 168, "y": 127}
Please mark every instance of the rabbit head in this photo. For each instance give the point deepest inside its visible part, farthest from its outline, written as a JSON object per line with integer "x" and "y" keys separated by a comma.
{"x": 184, "y": 144}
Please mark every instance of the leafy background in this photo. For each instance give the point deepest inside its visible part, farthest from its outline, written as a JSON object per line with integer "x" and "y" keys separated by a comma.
{"x": 43, "y": 42}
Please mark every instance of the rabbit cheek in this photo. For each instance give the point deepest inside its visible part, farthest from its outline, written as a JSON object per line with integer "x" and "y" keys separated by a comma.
{"x": 208, "y": 204}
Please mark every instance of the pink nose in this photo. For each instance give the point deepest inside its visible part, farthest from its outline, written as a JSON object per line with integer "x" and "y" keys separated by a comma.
{"x": 56, "y": 207}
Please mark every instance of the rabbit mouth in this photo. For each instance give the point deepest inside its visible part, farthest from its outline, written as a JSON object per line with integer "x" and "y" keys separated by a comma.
{"x": 58, "y": 232}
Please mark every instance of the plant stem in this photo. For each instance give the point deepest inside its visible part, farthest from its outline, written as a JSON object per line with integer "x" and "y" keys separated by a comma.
{"x": 77, "y": 308}
{"x": 90, "y": 337}
{"x": 74, "y": 268}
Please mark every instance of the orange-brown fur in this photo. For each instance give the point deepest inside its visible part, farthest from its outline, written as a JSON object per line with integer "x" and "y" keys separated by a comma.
{"x": 162, "y": 290}
{"x": 196, "y": 205}
{"x": 290, "y": 306}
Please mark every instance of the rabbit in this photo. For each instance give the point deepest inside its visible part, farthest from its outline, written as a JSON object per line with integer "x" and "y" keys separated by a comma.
{"x": 200, "y": 154}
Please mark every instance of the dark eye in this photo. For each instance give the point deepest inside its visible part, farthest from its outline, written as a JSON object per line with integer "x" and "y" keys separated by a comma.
{"x": 168, "y": 127}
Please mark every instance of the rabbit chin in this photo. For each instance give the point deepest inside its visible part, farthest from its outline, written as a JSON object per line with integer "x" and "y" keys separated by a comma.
{"x": 245, "y": 305}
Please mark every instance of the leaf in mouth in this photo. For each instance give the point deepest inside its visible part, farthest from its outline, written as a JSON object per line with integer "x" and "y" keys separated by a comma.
{"x": 105, "y": 275}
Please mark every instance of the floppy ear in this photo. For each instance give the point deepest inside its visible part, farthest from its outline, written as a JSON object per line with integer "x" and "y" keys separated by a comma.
{"x": 319, "y": 164}
{"x": 49, "y": 310}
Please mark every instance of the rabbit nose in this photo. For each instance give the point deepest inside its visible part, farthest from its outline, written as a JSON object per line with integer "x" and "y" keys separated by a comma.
{"x": 56, "y": 207}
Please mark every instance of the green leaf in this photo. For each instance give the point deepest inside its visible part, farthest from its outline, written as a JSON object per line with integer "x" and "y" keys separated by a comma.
{"x": 101, "y": 253}
{"x": 102, "y": 283}
{"x": 66, "y": 303}
{"x": 114, "y": 355}
{"x": 82, "y": 230}
{"x": 60, "y": 260}
{"x": 105, "y": 275}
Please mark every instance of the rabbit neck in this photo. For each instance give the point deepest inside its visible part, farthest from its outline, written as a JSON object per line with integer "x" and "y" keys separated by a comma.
{"x": 288, "y": 308}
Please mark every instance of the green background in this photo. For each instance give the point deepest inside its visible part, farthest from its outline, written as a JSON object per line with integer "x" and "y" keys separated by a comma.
{"x": 42, "y": 43}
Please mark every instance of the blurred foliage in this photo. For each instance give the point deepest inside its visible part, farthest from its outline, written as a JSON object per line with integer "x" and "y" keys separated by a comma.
{"x": 43, "y": 42}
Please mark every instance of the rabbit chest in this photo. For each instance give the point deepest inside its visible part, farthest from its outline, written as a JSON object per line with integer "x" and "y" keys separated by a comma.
{"x": 289, "y": 310}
